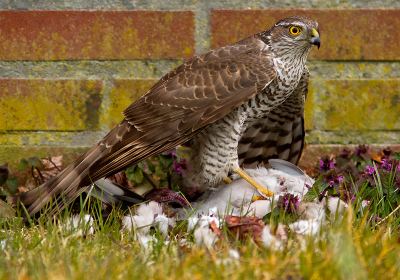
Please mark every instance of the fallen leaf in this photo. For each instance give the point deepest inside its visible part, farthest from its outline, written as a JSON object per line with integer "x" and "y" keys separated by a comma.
{"x": 214, "y": 228}
{"x": 122, "y": 179}
{"x": 49, "y": 168}
{"x": 6, "y": 210}
{"x": 243, "y": 226}
{"x": 30, "y": 184}
{"x": 34, "y": 161}
{"x": 376, "y": 157}
{"x": 21, "y": 189}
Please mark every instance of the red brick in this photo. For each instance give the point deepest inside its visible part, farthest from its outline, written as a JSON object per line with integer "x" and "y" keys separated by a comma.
{"x": 71, "y": 35}
{"x": 348, "y": 34}
{"x": 50, "y": 104}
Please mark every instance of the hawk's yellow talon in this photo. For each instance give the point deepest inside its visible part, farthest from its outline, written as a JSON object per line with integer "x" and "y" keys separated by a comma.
{"x": 253, "y": 182}
{"x": 255, "y": 198}
{"x": 227, "y": 180}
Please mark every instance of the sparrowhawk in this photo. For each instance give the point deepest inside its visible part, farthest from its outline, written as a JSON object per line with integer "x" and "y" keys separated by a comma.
{"x": 242, "y": 103}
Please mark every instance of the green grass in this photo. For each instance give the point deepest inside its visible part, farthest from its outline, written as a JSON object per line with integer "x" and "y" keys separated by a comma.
{"x": 358, "y": 246}
{"x": 351, "y": 249}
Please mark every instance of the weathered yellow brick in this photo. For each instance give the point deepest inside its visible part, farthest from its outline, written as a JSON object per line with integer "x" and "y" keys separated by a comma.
{"x": 50, "y": 104}
{"x": 353, "y": 105}
{"x": 124, "y": 93}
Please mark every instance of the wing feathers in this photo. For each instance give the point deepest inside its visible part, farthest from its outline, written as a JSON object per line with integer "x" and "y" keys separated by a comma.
{"x": 173, "y": 111}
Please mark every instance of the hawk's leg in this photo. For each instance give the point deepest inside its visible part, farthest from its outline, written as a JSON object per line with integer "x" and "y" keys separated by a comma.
{"x": 214, "y": 152}
{"x": 253, "y": 182}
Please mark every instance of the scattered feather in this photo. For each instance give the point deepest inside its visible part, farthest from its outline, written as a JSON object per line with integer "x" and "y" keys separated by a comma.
{"x": 269, "y": 240}
{"x": 306, "y": 227}
{"x": 148, "y": 215}
{"x": 311, "y": 210}
{"x": 205, "y": 237}
{"x": 202, "y": 222}
{"x": 336, "y": 206}
{"x": 80, "y": 226}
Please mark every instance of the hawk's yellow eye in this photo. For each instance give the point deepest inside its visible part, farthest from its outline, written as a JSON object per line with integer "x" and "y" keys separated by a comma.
{"x": 294, "y": 30}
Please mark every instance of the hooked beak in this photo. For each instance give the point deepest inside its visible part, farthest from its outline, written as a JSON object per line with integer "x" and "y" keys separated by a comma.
{"x": 315, "y": 40}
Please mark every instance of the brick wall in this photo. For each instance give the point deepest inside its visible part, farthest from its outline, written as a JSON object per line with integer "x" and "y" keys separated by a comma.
{"x": 69, "y": 68}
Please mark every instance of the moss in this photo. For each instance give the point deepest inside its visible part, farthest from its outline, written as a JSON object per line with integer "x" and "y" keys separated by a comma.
{"x": 354, "y": 105}
{"x": 124, "y": 93}
{"x": 50, "y": 104}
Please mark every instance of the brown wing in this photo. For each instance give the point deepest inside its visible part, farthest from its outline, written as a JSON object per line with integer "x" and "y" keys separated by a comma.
{"x": 279, "y": 135}
{"x": 185, "y": 101}
{"x": 173, "y": 111}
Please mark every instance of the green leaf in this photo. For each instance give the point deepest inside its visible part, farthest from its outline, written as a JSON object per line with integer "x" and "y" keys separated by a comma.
{"x": 396, "y": 155}
{"x": 159, "y": 171}
{"x": 139, "y": 175}
{"x": 319, "y": 186}
{"x": 12, "y": 184}
{"x": 129, "y": 172}
{"x": 312, "y": 193}
{"x": 4, "y": 192}
{"x": 364, "y": 164}
{"x": 130, "y": 169}
{"x": 144, "y": 166}
{"x": 34, "y": 161}
{"x": 23, "y": 164}
{"x": 136, "y": 176}
{"x": 151, "y": 166}
{"x": 166, "y": 161}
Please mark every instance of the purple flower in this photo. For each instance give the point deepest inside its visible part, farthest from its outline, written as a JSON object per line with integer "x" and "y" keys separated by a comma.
{"x": 325, "y": 164}
{"x": 386, "y": 165}
{"x": 170, "y": 152}
{"x": 362, "y": 149}
{"x": 177, "y": 167}
{"x": 286, "y": 201}
{"x": 370, "y": 170}
{"x": 338, "y": 180}
{"x": 377, "y": 218}
{"x": 333, "y": 178}
{"x": 181, "y": 165}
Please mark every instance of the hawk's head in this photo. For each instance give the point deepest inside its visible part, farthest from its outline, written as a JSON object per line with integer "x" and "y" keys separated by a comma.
{"x": 295, "y": 33}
